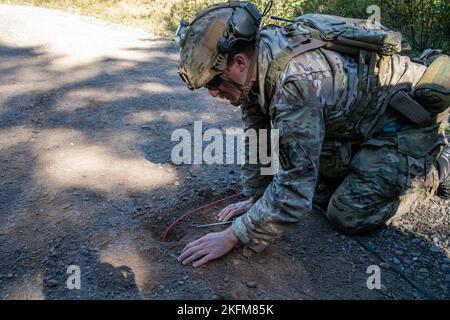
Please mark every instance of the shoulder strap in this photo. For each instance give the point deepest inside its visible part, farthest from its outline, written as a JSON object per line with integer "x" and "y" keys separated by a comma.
{"x": 296, "y": 47}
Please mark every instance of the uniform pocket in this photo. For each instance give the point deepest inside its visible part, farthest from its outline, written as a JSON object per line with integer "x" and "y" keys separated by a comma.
{"x": 335, "y": 158}
{"x": 419, "y": 142}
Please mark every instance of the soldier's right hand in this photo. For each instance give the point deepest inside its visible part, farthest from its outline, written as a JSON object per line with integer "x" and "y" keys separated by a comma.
{"x": 235, "y": 209}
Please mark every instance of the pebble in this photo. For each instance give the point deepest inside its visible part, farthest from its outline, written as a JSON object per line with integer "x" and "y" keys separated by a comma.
{"x": 395, "y": 260}
{"x": 447, "y": 278}
{"x": 236, "y": 262}
{"x": 399, "y": 252}
{"x": 423, "y": 270}
{"x": 435, "y": 249}
{"x": 52, "y": 283}
{"x": 206, "y": 193}
{"x": 252, "y": 284}
{"x": 384, "y": 265}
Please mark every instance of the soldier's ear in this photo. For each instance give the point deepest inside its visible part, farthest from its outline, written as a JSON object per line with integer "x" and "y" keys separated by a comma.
{"x": 241, "y": 61}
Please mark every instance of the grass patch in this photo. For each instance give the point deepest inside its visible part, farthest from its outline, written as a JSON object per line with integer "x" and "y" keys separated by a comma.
{"x": 156, "y": 16}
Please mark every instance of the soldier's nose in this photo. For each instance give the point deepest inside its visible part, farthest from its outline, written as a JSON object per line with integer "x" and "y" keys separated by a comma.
{"x": 214, "y": 92}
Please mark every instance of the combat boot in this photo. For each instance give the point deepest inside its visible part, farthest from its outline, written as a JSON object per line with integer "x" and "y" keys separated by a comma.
{"x": 443, "y": 163}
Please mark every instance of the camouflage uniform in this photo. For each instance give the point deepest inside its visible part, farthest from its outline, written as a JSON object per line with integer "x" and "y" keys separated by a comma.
{"x": 335, "y": 125}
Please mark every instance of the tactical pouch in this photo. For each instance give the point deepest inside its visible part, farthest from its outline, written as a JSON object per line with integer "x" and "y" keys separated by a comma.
{"x": 433, "y": 89}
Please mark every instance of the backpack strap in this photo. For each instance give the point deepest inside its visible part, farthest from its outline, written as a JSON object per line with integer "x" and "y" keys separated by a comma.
{"x": 297, "y": 46}
{"x": 408, "y": 107}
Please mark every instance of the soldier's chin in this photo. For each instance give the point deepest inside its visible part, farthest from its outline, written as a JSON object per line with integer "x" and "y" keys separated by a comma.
{"x": 233, "y": 100}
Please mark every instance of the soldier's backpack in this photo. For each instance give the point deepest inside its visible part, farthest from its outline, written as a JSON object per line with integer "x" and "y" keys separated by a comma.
{"x": 360, "y": 36}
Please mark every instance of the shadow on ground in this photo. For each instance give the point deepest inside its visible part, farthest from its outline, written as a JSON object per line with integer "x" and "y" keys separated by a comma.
{"x": 86, "y": 180}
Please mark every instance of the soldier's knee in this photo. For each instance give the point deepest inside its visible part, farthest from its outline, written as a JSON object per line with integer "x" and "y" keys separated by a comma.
{"x": 350, "y": 220}
{"x": 342, "y": 221}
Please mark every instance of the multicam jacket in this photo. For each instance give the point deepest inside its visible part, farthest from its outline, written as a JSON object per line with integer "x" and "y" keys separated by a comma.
{"x": 322, "y": 98}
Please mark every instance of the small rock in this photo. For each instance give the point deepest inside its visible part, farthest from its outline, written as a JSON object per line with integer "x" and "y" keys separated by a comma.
{"x": 206, "y": 193}
{"x": 384, "y": 265}
{"x": 395, "y": 260}
{"x": 423, "y": 270}
{"x": 52, "y": 283}
{"x": 251, "y": 284}
{"x": 447, "y": 278}
{"x": 236, "y": 262}
{"x": 435, "y": 249}
{"x": 399, "y": 252}
{"x": 181, "y": 283}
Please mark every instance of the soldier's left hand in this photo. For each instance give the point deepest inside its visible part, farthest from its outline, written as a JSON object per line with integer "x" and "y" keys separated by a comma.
{"x": 207, "y": 248}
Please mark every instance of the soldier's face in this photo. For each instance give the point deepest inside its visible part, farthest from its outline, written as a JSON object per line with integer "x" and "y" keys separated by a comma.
{"x": 226, "y": 91}
{"x": 237, "y": 71}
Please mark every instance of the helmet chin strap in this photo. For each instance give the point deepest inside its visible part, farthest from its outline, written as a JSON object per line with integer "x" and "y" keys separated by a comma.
{"x": 247, "y": 86}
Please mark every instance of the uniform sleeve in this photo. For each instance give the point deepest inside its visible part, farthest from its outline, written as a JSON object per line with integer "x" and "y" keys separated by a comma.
{"x": 254, "y": 183}
{"x": 298, "y": 113}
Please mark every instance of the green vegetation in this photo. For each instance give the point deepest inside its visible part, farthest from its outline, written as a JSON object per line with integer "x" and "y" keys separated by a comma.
{"x": 425, "y": 23}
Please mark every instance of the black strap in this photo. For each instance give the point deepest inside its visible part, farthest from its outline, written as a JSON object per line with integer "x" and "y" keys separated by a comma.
{"x": 408, "y": 107}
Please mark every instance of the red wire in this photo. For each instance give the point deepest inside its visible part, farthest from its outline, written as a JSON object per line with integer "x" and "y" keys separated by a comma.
{"x": 194, "y": 210}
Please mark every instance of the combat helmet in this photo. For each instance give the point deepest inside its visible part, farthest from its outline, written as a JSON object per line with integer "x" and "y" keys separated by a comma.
{"x": 214, "y": 33}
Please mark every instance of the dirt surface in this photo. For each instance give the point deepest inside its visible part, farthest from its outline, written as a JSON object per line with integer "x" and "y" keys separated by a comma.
{"x": 86, "y": 115}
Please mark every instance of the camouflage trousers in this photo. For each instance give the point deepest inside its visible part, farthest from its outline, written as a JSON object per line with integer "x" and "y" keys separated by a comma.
{"x": 376, "y": 184}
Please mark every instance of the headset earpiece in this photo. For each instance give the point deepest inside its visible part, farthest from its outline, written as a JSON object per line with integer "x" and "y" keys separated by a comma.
{"x": 243, "y": 25}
